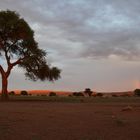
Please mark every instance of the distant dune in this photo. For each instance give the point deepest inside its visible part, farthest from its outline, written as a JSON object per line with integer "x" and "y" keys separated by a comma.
{"x": 66, "y": 93}
{"x": 44, "y": 92}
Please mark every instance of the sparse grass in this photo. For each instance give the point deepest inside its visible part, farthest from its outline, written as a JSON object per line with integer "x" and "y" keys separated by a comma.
{"x": 113, "y": 100}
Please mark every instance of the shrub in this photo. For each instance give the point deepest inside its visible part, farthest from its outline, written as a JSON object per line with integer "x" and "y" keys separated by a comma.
{"x": 137, "y": 92}
{"x": 24, "y": 92}
{"x": 69, "y": 95}
{"x": 114, "y": 95}
{"x": 52, "y": 94}
{"x": 78, "y": 94}
{"x": 99, "y": 94}
{"x": 11, "y": 93}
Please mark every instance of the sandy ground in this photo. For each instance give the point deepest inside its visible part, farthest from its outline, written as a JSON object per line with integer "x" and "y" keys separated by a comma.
{"x": 68, "y": 121}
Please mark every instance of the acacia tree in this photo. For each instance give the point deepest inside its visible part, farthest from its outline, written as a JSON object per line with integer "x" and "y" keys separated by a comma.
{"x": 88, "y": 91}
{"x": 18, "y": 47}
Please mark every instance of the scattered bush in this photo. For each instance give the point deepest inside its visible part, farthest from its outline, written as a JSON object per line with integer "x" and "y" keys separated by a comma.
{"x": 114, "y": 95}
{"x": 11, "y": 93}
{"x": 137, "y": 92}
{"x": 24, "y": 92}
{"x": 52, "y": 94}
{"x": 69, "y": 95}
{"x": 99, "y": 94}
{"x": 78, "y": 94}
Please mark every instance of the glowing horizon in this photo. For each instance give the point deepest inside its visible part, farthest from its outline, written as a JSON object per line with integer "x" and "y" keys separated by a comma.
{"x": 95, "y": 43}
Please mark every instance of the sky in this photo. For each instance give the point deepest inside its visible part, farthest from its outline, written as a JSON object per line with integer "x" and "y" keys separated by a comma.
{"x": 96, "y": 44}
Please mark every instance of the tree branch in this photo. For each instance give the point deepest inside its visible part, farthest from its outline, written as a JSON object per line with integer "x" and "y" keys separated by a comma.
{"x": 11, "y": 65}
{"x": 12, "y": 45}
{"x": 7, "y": 57}
{"x": 2, "y": 70}
{"x": 17, "y": 62}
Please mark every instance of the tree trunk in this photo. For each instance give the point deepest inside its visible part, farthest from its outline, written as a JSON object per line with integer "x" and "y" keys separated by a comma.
{"x": 4, "y": 94}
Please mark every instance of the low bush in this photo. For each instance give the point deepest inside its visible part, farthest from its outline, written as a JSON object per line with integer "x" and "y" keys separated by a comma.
{"x": 114, "y": 95}
{"x": 52, "y": 94}
{"x": 99, "y": 94}
{"x": 24, "y": 92}
{"x": 78, "y": 94}
{"x": 137, "y": 92}
{"x": 11, "y": 93}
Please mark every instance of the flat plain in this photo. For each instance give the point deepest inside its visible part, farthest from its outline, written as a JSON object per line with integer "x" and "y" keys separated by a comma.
{"x": 78, "y": 118}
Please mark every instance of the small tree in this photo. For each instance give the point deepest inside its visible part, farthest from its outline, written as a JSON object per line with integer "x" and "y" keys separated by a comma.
{"x": 137, "y": 92}
{"x": 23, "y": 92}
{"x": 78, "y": 94}
{"x": 18, "y": 47}
{"x": 11, "y": 93}
{"x": 88, "y": 92}
{"x": 52, "y": 94}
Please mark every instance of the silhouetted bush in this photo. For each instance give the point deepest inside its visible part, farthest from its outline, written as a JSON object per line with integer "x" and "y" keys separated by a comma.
{"x": 52, "y": 94}
{"x": 11, "y": 93}
{"x": 137, "y": 92}
{"x": 78, "y": 94}
{"x": 69, "y": 95}
{"x": 99, "y": 94}
{"x": 24, "y": 92}
{"x": 114, "y": 95}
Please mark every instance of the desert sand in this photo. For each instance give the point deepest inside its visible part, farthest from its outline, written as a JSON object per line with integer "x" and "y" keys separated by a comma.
{"x": 68, "y": 121}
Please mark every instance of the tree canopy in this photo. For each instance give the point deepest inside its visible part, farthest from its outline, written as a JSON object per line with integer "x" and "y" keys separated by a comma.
{"x": 18, "y": 47}
{"x": 88, "y": 91}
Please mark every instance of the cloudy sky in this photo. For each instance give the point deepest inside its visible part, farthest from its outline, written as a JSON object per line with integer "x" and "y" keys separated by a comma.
{"x": 96, "y": 43}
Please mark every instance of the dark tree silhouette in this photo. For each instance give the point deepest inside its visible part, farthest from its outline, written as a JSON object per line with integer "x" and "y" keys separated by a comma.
{"x": 18, "y": 47}
{"x": 52, "y": 94}
{"x": 137, "y": 92}
{"x": 88, "y": 91}
{"x": 23, "y": 92}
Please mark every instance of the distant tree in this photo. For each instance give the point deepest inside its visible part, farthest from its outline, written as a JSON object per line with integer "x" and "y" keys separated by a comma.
{"x": 137, "y": 92}
{"x": 88, "y": 91}
{"x": 18, "y": 47}
{"x": 23, "y": 92}
{"x": 52, "y": 94}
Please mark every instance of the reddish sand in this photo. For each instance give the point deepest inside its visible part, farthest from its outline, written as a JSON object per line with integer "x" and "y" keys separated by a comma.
{"x": 68, "y": 121}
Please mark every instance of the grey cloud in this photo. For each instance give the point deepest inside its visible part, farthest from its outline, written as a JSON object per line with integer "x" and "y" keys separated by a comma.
{"x": 103, "y": 27}
{"x": 77, "y": 34}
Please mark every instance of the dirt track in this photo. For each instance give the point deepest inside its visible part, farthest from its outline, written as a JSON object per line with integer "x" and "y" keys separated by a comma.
{"x": 68, "y": 121}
